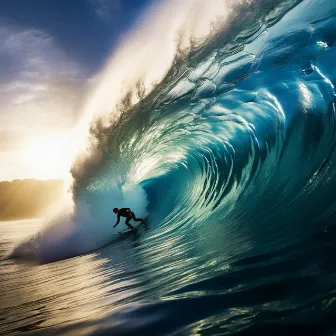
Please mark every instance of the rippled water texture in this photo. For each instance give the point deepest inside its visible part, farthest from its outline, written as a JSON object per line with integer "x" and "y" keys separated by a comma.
{"x": 231, "y": 155}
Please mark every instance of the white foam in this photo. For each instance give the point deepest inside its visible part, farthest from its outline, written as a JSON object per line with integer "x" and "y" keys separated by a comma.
{"x": 78, "y": 228}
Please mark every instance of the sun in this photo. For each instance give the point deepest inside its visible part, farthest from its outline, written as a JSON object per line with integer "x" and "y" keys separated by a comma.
{"x": 48, "y": 156}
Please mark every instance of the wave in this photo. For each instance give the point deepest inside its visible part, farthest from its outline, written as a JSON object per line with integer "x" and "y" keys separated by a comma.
{"x": 219, "y": 117}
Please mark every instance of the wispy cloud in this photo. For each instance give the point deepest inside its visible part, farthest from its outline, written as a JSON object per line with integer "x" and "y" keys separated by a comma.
{"x": 107, "y": 10}
{"x": 40, "y": 85}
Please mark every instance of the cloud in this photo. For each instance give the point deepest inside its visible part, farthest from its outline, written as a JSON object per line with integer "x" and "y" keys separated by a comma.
{"x": 107, "y": 10}
{"x": 40, "y": 85}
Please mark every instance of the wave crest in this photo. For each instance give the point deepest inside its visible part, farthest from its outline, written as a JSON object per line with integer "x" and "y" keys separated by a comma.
{"x": 236, "y": 126}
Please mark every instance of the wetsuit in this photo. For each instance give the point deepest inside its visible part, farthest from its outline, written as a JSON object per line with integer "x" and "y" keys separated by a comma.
{"x": 126, "y": 212}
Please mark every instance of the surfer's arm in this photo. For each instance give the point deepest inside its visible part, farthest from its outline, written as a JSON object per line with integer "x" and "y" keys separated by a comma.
{"x": 117, "y": 221}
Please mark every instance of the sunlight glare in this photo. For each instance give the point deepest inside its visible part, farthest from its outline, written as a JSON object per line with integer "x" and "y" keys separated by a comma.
{"x": 49, "y": 156}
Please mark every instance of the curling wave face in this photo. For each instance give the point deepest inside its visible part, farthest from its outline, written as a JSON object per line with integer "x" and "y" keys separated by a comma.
{"x": 235, "y": 140}
{"x": 226, "y": 138}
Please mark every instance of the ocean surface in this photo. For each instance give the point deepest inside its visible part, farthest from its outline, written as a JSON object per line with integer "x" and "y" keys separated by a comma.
{"x": 216, "y": 121}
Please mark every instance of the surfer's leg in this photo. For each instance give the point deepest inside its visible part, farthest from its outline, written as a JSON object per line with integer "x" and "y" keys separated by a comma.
{"x": 128, "y": 224}
{"x": 136, "y": 219}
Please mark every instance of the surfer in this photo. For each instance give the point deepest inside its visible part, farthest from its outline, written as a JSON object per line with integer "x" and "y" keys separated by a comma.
{"x": 126, "y": 212}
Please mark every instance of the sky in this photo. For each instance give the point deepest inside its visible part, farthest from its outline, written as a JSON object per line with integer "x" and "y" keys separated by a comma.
{"x": 50, "y": 53}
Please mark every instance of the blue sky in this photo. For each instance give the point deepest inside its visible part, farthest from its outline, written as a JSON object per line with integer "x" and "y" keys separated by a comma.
{"x": 50, "y": 51}
{"x": 86, "y": 29}
{"x": 51, "y": 48}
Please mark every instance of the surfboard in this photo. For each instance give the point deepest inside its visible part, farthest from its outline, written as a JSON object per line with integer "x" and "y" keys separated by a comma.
{"x": 128, "y": 230}
{"x": 136, "y": 226}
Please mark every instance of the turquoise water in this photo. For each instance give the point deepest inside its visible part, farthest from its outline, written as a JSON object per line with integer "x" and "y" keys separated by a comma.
{"x": 232, "y": 157}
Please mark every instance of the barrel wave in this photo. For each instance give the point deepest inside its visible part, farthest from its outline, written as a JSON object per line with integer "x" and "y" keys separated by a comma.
{"x": 229, "y": 148}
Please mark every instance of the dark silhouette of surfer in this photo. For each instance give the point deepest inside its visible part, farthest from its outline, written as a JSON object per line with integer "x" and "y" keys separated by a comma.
{"x": 126, "y": 212}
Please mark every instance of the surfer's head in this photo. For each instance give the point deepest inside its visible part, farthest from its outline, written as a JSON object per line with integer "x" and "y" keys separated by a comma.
{"x": 115, "y": 210}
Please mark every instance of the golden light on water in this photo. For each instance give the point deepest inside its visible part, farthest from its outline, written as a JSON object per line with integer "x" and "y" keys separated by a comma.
{"x": 49, "y": 156}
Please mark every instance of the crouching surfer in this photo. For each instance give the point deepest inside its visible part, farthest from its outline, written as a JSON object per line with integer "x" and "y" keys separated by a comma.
{"x": 126, "y": 212}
